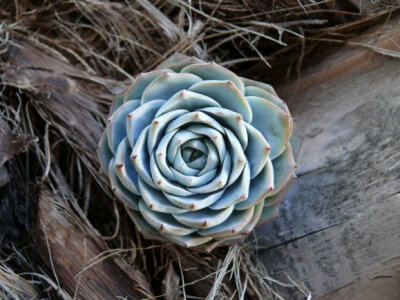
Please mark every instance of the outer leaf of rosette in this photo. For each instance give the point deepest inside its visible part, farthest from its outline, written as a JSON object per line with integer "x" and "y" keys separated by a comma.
{"x": 296, "y": 141}
{"x": 272, "y": 122}
{"x": 259, "y": 92}
{"x": 163, "y": 222}
{"x": 213, "y": 71}
{"x": 178, "y": 61}
{"x": 260, "y": 187}
{"x": 116, "y": 127}
{"x": 187, "y": 100}
{"x": 124, "y": 169}
{"x": 189, "y": 241}
{"x": 257, "y": 151}
{"x": 168, "y": 84}
{"x": 277, "y": 198}
{"x": 265, "y": 86}
{"x": 140, "y": 83}
{"x": 156, "y": 201}
{"x": 268, "y": 214}
{"x": 143, "y": 227}
{"x": 140, "y": 118}
{"x": 204, "y": 218}
{"x": 231, "y": 120}
{"x": 104, "y": 153}
{"x": 284, "y": 167}
{"x": 122, "y": 193}
{"x": 117, "y": 102}
{"x": 226, "y": 94}
{"x": 215, "y": 243}
{"x": 237, "y": 221}
{"x": 258, "y": 209}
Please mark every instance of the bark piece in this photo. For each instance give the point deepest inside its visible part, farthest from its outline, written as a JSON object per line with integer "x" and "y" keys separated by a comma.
{"x": 68, "y": 247}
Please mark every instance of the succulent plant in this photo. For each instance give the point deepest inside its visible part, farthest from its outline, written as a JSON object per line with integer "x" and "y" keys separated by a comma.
{"x": 198, "y": 154}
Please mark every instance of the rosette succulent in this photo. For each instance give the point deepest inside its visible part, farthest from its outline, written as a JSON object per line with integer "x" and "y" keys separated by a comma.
{"x": 198, "y": 154}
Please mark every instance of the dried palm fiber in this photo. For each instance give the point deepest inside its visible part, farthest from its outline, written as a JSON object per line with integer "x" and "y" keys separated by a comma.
{"x": 93, "y": 49}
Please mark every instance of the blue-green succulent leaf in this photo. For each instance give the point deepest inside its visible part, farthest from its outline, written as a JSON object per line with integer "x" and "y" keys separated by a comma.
{"x": 234, "y": 224}
{"x": 258, "y": 208}
{"x": 164, "y": 222}
{"x": 204, "y": 218}
{"x": 158, "y": 126}
{"x": 214, "y": 135}
{"x": 193, "y": 181}
{"x": 116, "y": 127}
{"x": 212, "y": 71}
{"x": 156, "y": 200}
{"x": 178, "y": 61}
{"x": 104, "y": 153}
{"x": 181, "y": 166}
{"x": 195, "y": 202}
{"x": 187, "y": 100}
{"x": 272, "y": 122}
{"x": 269, "y": 213}
{"x": 237, "y": 156}
{"x": 140, "y": 158}
{"x": 140, "y": 118}
{"x": 260, "y": 187}
{"x": 231, "y": 120}
{"x": 141, "y": 82}
{"x": 226, "y": 94}
{"x": 237, "y": 192}
{"x": 284, "y": 167}
{"x": 212, "y": 157}
{"x": 119, "y": 100}
{"x": 194, "y": 117}
{"x": 120, "y": 191}
{"x": 124, "y": 169}
{"x": 177, "y": 141}
{"x": 165, "y": 184}
{"x": 261, "y": 85}
{"x": 167, "y": 84}
{"x": 219, "y": 180}
{"x": 257, "y": 150}
{"x": 259, "y": 92}
{"x": 191, "y": 240}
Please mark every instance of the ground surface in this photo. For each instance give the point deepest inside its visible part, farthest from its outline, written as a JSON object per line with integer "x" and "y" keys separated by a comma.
{"x": 339, "y": 226}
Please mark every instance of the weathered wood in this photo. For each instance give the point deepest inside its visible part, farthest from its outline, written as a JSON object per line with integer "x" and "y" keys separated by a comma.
{"x": 339, "y": 227}
{"x": 68, "y": 247}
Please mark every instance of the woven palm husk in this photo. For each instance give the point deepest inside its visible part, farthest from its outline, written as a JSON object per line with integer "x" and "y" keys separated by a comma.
{"x": 62, "y": 62}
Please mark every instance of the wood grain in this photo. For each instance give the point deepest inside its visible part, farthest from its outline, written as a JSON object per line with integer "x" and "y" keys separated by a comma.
{"x": 339, "y": 229}
{"x": 66, "y": 244}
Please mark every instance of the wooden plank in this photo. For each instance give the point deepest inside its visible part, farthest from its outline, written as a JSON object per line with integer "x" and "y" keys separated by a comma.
{"x": 339, "y": 229}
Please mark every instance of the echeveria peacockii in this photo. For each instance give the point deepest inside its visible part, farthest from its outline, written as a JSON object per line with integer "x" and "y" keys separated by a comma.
{"x": 198, "y": 155}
